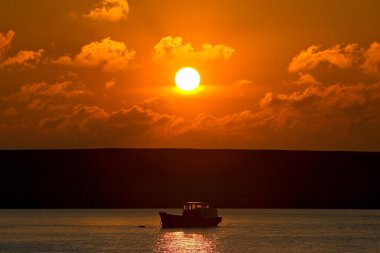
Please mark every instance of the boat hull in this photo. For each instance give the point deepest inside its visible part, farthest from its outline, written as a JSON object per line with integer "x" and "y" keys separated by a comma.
{"x": 177, "y": 221}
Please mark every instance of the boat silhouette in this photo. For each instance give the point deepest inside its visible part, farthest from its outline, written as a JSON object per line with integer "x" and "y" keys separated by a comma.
{"x": 195, "y": 214}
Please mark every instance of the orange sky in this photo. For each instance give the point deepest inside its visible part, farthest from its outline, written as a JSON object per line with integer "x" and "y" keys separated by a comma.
{"x": 275, "y": 74}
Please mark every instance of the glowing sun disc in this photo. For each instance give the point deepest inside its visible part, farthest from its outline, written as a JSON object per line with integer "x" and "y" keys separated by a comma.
{"x": 187, "y": 79}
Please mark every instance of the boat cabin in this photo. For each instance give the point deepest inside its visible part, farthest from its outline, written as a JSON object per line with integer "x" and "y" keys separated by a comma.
{"x": 195, "y": 205}
{"x": 198, "y": 209}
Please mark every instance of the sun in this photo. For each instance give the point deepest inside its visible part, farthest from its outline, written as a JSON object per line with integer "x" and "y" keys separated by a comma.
{"x": 187, "y": 79}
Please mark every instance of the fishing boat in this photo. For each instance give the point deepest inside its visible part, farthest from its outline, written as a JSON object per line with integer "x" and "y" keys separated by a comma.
{"x": 195, "y": 214}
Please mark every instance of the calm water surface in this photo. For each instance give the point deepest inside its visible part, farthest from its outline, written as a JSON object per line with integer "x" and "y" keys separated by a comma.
{"x": 242, "y": 230}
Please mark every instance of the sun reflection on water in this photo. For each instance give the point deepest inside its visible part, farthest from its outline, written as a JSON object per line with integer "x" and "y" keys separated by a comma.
{"x": 180, "y": 241}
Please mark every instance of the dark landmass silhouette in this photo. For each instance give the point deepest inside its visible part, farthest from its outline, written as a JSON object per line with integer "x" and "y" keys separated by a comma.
{"x": 160, "y": 178}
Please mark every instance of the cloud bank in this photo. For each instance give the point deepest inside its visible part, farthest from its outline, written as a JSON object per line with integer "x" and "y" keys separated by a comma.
{"x": 312, "y": 114}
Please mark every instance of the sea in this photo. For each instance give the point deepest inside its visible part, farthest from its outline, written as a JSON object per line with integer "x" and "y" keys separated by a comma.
{"x": 138, "y": 230}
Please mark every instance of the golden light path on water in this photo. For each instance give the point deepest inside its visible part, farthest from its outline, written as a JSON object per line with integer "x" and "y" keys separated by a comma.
{"x": 183, "y": 242}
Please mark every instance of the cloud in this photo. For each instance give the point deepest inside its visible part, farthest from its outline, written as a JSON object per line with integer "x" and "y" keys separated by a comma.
{"x": 340, "y": 56}
{"x": 5, "y": 41}
{"x": 94, "y": 126}
{"x": 110, "y": 55}
{"x": 242, "y": 83}
{"x": 155, "y": 103}
{"x": 141, "y": 127}
{"x": 33, "y": 103}
{"x": 338, "y": 116}
{"x": 142, "y": 121}
{"x": 327, "y": 115}
{"x": 371, "y": 63}
{"x": 67, "y": 89}
{"x": 234, "y": 124}
{"x": 34, "y": 92}
{"x": 10, "y": 112}
{"x": 329, "y": 98}
{"x": 81, "y": 119}
{"x": 306, "y": 79}
{"x": 24, "y": 59}
{"x": 172, "y": 48}
{"x": 110, "y": 10}
{"x": 110, "y": 84}
{"x": 322, "y": 116}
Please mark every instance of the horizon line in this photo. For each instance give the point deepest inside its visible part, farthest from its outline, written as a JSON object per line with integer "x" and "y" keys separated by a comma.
{"x": 185, "y": 149}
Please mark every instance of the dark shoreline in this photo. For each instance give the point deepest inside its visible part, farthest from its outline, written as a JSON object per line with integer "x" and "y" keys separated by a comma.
{"x": 153, "y": 178}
